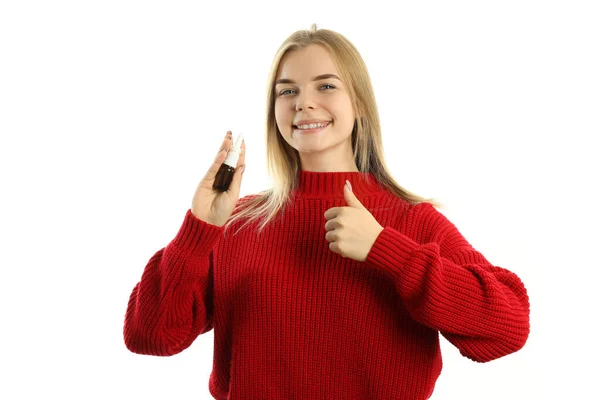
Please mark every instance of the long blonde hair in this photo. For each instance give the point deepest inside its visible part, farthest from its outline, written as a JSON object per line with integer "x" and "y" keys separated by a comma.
{"x": 283, "y": 161}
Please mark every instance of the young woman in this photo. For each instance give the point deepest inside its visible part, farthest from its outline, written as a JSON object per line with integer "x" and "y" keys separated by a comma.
{"x": 337, "y": 281}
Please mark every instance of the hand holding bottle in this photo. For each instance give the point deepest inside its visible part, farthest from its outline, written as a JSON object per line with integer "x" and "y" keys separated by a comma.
{"x": 211, "y": 204}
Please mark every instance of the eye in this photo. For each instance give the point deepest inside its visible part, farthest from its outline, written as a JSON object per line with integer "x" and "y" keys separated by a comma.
{"x": 287, "y": 90}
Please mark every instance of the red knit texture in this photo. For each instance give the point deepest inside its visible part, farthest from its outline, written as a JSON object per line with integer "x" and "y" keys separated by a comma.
{"x": 294, "y": 320}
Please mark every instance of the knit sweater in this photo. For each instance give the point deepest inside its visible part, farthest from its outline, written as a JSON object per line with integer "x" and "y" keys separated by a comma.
{"x": 294, "y": 320}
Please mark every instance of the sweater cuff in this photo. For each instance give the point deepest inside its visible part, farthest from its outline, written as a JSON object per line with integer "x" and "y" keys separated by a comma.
{"x": 196, "y": 237}
{"x": 391, "y": 250}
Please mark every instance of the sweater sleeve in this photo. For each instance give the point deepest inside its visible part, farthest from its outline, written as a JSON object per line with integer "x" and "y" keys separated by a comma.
{"x": 172, "y": 303}
{"x": 447, "y": 285}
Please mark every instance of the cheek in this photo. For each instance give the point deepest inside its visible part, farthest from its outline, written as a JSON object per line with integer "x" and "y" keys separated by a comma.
{"x": 339, "y": 110}
{"x": 277, "y": 116}
{"x": 282, "y": 118}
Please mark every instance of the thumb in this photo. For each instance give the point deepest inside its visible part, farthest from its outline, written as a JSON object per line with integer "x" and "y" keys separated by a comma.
{"x": 351, "y": 199}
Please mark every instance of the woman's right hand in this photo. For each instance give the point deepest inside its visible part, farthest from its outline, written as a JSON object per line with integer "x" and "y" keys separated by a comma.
{"x": 211, "y": 205}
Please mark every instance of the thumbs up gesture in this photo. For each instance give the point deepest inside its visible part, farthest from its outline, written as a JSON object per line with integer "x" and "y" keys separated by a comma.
{"x": 351, "y": 230}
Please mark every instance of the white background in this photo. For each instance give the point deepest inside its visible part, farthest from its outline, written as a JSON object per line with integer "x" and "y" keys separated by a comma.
{"x": 112, "y": 111}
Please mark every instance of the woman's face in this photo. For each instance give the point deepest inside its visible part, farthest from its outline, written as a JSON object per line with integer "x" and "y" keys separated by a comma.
{"x": 299, "y": 97}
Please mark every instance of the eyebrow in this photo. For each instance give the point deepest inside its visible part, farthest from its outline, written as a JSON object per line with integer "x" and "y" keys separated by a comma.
{"x": 316, "y": 78}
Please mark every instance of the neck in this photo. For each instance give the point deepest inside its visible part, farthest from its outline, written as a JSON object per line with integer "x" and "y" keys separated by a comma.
{"x": 331, "y": 184}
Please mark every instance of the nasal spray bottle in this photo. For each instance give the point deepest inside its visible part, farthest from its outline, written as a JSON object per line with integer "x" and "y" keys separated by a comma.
{"x": 227, "y": 169}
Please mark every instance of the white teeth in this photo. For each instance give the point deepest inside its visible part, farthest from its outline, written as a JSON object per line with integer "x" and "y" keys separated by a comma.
{"x": 313, "y": 126}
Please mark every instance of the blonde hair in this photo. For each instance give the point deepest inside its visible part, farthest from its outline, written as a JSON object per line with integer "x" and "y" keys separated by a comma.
{"x": 283, "y": 161}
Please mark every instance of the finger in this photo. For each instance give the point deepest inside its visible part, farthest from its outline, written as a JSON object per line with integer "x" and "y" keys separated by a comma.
{"x": 236, "y": 181}
{"x": 221, "y": 156}
{"x": 242, "y": 158}
{"x": 227, "y": 142}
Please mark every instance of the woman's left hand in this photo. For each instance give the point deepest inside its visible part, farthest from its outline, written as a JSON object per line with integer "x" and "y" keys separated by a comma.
{"x": 352, "y": 230}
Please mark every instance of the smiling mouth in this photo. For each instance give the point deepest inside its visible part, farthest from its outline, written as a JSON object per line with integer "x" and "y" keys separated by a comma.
{"x": 295, "y": 127}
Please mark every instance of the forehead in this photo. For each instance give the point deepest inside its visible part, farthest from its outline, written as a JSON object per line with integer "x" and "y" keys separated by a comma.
{"x": 306, "y": 63}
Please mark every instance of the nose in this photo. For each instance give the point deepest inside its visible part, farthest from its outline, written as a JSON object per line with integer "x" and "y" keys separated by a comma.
{"x": 304, "y": 102}
{"x": 304, "y": 105}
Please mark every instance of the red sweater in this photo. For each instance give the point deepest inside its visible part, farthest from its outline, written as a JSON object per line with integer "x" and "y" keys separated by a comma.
{"x": 294, "y": 320}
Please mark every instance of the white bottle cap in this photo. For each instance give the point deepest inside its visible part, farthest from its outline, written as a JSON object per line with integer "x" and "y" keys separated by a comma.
{"x": 234, "y": 152}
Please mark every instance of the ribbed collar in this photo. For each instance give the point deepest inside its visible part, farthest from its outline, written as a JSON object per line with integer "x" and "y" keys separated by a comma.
{"x": 331, "y": 184}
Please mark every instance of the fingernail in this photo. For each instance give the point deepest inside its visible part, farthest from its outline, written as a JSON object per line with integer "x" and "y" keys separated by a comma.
{"x": 349, "y": 184}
